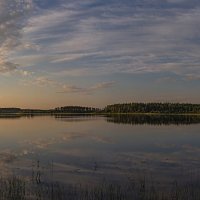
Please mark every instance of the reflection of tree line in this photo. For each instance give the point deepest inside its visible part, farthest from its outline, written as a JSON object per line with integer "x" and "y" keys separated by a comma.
{"x": 133, "y": 119}
{"x": 9, "y": 116}
{"x": 154, "y": 119}
{"x": 71, "y": 117}
{"x": 75, "y": 117}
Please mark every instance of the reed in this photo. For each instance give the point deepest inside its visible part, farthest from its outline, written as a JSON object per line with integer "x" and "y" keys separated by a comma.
{"x": 18, "y": 188}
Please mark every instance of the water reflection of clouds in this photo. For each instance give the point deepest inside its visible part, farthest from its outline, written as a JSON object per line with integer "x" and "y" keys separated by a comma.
{"x": 39, "y": 143}
{"x": 191, "y": 149}
{"x": 88, "y": 149}
{"x": 88, "y": 136}
{"x": 80, "y": 162}
{"x": 183, "y": 149}
{"x": 163, "y": 156}
{"x": 11, "y": 160}
{"x": 177, "y": 157}
{"x": 55, "y": 144}
{"x": 67, "y": 137}
{"x": 7, "y": 156}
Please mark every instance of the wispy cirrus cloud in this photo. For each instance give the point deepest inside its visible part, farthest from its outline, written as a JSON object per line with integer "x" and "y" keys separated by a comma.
{"x": 86, "y": 90}
{"x": 11, "y": 22}
{"x": 61, "y": 87}
{"x": 74, "y": 42}
{"x": 137, "y": 38}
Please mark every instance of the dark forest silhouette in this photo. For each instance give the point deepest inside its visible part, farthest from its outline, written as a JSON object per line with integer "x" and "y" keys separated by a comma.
{"x": 145, "y": 108}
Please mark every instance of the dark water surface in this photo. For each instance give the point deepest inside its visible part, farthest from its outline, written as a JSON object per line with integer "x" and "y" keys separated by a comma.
{"x": 91, "y": 149}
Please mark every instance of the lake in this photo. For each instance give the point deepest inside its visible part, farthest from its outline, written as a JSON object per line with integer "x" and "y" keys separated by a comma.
{"x": 91, "y": 149}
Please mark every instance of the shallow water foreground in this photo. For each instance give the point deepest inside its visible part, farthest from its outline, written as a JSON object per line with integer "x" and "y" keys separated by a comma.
{"x": 112, "y": 157}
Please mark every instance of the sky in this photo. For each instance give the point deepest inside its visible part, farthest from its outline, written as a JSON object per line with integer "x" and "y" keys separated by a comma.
{"x": 98, "y": 52}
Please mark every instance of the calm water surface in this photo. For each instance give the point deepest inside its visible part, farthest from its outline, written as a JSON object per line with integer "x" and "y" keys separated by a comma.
{"x": 90, "y": 149}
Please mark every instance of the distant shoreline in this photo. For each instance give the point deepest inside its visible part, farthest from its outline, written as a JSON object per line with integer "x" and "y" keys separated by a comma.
{"x": 99, "y": 114}
{"x": 114, "y": 109}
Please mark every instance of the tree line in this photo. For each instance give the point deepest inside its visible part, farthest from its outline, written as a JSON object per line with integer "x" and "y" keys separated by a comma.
{"x": 174, "y": 108}
{"x": 65, "y": 109}
{"x": 160, "y": 108}
{"x": 76, "y": 109}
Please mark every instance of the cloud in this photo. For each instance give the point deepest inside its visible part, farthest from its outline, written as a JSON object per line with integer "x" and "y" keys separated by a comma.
{"x": 61, "y": 87}
{"x": 6, "y": 66}
{"x": 176, "y": 1}
{"x": 43, "y": 81}
{"x": 88, "y": 90}
{"x": 145, "y": 38}
{"x": 103, "y": 85}
{"x": 192, "y": 77}
{"x": 87, "y": 39}
{"x": 11, "y": 12}
{"x": 25, "y": 73}
{"x": 71, "y": 57}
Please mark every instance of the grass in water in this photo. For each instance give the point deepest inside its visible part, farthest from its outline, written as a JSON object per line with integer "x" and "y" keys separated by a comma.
{"x": 142, "y": 188}
{"x": 16, "y": 188}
